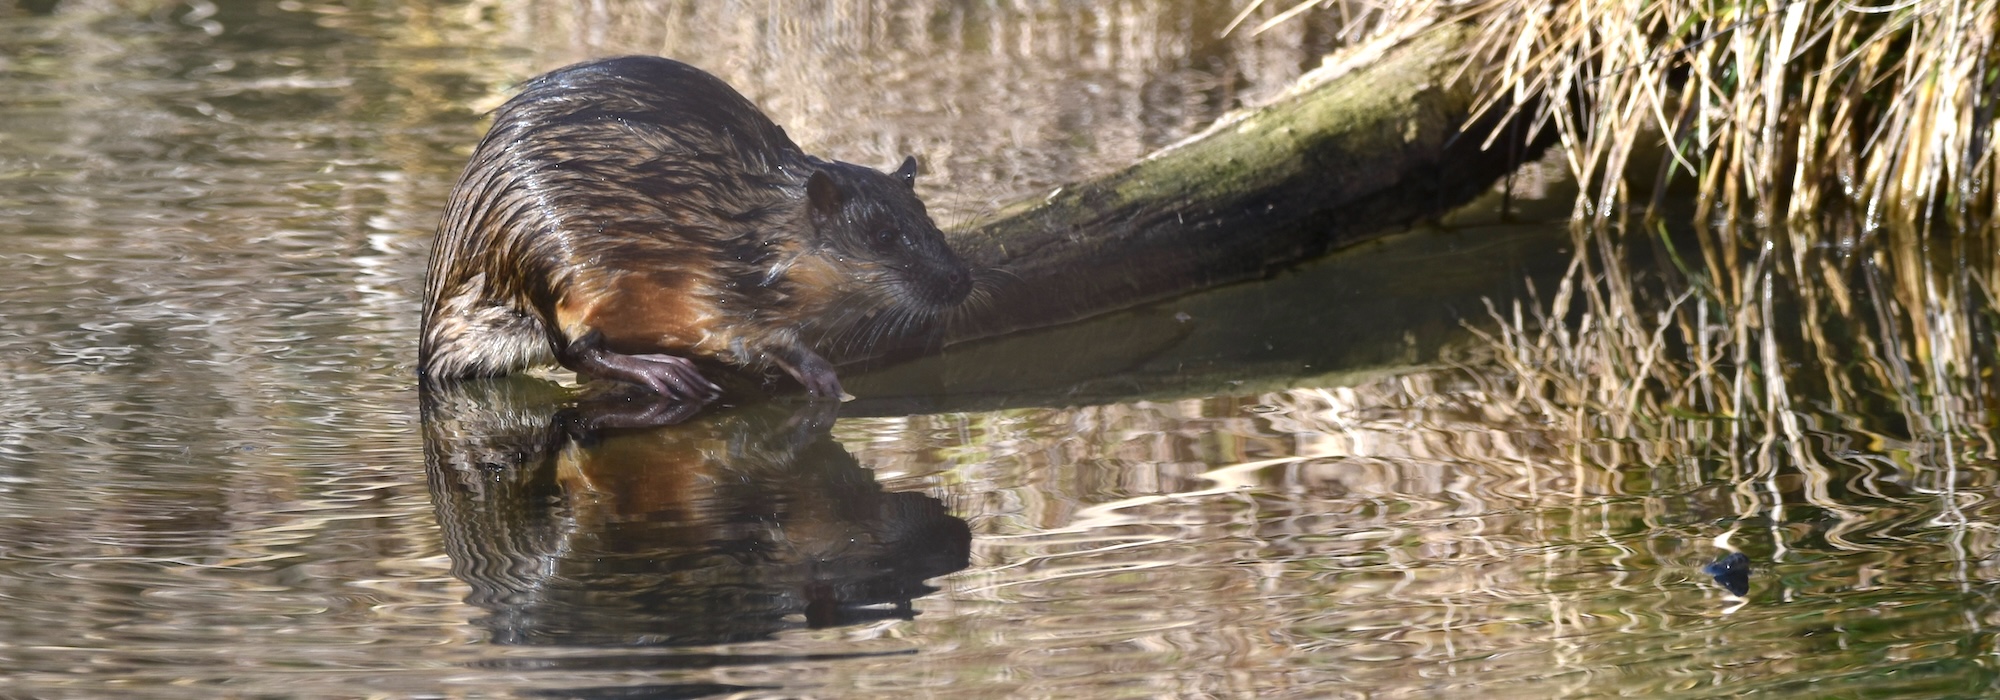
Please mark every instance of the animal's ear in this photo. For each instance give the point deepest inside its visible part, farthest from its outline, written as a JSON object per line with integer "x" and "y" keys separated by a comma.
{"x": 824, "y": 194}
{"x": 908, "y": 172}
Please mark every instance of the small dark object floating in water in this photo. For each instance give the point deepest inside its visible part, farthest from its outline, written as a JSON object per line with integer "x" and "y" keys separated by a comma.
{"x": 1732, "y": 573}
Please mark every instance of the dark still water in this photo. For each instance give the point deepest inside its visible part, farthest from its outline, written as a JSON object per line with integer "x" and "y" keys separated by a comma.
{"x": 216, "y": 479}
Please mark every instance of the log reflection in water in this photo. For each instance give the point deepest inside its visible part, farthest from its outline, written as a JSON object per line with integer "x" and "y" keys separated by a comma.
{"x": 733, "y": 526}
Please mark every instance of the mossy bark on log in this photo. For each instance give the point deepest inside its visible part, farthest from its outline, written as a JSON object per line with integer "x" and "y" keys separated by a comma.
{"x": 1354, "y": 157}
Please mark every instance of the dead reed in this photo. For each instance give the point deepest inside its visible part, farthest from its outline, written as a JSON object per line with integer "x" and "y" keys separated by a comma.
{"x": 1776, "y": 110}
{"x": 1814, "y": 183}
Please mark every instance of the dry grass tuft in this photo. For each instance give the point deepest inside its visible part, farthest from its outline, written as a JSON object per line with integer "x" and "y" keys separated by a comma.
{"x": 1776, "y": 110}
{"x": 1839, "y": 163}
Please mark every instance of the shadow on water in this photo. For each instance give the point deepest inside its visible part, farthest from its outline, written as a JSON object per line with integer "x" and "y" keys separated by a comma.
{"x": 734, "y": 526}
{"x": 1352, "y": 315}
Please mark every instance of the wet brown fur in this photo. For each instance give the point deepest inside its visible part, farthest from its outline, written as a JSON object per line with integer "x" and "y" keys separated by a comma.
{"x": 646, "y": 201}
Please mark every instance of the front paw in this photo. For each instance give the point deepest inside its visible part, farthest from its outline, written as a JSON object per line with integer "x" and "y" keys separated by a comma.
{"x": 824, "y": 386}
{"x": 672, "y": 376}
{"x": 675, "y": 376}
{"x": 812, "y": 372}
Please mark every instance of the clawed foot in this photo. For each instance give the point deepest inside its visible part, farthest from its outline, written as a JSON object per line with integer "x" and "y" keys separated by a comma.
{"x": 667, "y": 375}
{"x": 812, "y": 371}
{"x": 672, "y": 375}
{"x": 822, "y": 385}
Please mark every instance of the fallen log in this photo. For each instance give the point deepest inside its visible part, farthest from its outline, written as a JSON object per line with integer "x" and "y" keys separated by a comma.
{"x": 1363, "y": 147}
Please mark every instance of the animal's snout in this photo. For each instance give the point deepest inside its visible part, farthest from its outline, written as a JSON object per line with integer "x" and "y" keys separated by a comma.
{"x": 958, "y": 284}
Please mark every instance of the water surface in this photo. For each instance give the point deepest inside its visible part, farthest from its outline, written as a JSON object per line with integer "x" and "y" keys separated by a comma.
{"x": 215, "y": 479}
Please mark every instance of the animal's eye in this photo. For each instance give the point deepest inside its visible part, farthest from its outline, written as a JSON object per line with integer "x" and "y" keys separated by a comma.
{"x": 885, "y": 237}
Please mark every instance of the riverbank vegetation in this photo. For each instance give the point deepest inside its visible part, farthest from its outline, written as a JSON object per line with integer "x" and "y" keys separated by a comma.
{"x": 1784, "y": 219}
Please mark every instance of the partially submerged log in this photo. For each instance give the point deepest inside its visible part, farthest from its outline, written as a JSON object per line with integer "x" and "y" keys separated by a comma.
{"x": 1392, "y": 306}
{"x": 1360, "y": 149}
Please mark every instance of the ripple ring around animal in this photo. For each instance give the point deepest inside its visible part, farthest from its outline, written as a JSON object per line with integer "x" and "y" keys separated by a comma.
{"x": 633, "y": 218}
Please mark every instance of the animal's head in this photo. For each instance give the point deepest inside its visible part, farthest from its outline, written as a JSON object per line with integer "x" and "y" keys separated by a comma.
{"x": 875, "y": 222}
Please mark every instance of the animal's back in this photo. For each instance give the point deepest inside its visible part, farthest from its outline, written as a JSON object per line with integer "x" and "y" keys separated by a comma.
{"x": 595, "y": 173}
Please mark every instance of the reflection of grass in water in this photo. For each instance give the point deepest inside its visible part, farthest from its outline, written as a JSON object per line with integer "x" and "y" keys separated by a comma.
{"x": 1867, "y": 129}
{"x": 1750, "y": 369}
{"x": 1828, "y": 411}
{"x": 1824, "y": 337}
{"x": 1842, "y": 165}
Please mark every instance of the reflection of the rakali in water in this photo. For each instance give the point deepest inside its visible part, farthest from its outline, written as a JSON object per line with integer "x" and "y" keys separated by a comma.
{"x": 731, "y": 527}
